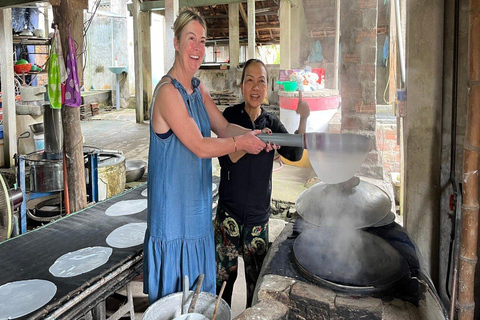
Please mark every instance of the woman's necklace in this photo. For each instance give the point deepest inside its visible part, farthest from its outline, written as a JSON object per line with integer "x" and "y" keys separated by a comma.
{"x": 174, "y": 73}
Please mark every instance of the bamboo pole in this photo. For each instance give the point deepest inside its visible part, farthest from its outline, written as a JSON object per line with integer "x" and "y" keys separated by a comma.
{"x": 470, "y": 206}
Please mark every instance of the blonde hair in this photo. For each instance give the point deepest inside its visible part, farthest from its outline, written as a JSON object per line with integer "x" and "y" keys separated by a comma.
{"x": 185, "y": 16}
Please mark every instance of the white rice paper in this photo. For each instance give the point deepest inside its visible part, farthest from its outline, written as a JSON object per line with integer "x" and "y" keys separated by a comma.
{"x": 81, "y": 261}
{"x": 126, "y": 207}
{"x": 126, "y": 236}
{"x": 20, "y": 298}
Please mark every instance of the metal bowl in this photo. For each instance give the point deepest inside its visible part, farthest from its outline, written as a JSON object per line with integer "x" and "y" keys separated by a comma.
{"x": 135, "y": 169}
{"x": 37, "y": 127}
{"x": 169, "y": 307}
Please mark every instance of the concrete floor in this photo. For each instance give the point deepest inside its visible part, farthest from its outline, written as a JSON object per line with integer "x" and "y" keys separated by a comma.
{"x": 117, "y": 130}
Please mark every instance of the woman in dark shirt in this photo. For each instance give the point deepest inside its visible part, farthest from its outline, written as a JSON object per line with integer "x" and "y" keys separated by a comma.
{"x": 241, "y": 222}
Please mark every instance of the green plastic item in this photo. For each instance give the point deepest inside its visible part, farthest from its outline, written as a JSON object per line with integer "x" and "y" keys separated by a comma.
{"x": 288, "y": 85}
{"x": 21, "y": 61}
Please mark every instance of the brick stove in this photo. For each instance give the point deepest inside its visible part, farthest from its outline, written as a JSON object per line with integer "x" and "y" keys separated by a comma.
{"x": 386, "y": 280}
{"x": 282, "y": 292}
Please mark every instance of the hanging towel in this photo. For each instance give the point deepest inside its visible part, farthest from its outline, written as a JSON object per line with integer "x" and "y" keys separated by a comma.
{"x": 73, "y": 98}
{"x": 56, "y": 72}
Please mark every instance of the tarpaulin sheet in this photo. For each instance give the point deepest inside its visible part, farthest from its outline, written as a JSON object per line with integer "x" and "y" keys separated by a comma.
{"x": 30, "y": 255}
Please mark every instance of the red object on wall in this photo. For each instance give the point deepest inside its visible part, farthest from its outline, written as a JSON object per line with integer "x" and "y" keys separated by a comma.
{"x": 321, "y": 74}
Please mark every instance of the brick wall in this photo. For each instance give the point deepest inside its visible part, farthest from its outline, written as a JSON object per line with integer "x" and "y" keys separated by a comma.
{"x": 358, "y": 23}
{"x": 387, "y": 146}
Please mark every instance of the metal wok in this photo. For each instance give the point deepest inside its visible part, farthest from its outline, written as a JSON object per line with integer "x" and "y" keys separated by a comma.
{"x": 334, "y": 157}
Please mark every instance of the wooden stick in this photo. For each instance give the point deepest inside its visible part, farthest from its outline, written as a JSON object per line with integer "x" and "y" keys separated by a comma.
{"x": 196, "y": 293}
{"x": 218, "y": 300}
{"x": 471, "y": 156}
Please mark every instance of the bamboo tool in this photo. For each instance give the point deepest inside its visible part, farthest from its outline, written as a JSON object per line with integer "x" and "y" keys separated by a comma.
{"x": 218, "y": 300}
{"x": 185, "y": 291}
{"x": 196, "y": 293}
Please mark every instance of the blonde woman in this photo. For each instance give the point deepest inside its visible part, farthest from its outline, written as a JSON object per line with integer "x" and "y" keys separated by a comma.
{"x": 179, "y": 238}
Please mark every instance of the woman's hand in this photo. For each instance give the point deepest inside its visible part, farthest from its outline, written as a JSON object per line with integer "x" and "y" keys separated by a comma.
{"x": 303, "y": 108}
{"x": 269, "y": 146}
{"x": 250, "y": 143}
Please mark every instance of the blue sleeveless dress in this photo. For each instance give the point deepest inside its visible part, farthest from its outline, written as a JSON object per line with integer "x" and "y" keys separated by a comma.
{"x": 179, "y": 238}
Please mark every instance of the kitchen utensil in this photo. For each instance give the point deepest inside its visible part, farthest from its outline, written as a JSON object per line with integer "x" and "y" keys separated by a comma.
{"x": 167, "y": 307}
{"x": 334, "y": 157}
{"x": 218, "y": 300}
{"x": 288, "y": 85}
{"x": 37, "y": 127}
{"x": 134, "y": 169}
{"x": 196, "y": 293}
{"x": 38, "y": 33}
{"x": 186, "y": 289}
{"x": 328, "y": 205}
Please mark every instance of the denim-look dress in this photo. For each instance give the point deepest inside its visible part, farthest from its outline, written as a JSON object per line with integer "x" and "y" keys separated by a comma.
{"x": 179, "y": 238}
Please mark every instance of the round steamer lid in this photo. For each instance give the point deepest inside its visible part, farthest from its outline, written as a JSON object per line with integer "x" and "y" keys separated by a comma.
{"x": 331, "y": 205}
{"x": 354, "y": 258}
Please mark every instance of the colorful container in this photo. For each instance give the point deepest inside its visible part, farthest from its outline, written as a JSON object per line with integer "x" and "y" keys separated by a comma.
{"x": 323, "y": 105}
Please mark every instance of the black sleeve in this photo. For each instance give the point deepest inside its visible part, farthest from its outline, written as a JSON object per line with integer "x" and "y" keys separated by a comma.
{"x": 290, "y": 153}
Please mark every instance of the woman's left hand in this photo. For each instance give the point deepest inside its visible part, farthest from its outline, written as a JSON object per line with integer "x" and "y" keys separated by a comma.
{"x": 269, "y": 146}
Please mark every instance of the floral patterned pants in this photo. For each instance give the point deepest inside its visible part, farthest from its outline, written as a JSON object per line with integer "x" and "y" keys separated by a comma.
{"x": 231, "y": 240}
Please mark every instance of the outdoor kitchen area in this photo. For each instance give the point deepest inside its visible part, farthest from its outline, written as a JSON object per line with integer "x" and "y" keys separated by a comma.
{"x": 377, "y": 218}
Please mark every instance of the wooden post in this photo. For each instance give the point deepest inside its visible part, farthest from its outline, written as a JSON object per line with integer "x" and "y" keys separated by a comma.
{"x": 233, "y": 35}
{"x": 8, "y": 88}
{"x": 70, "y": 13}
{"x": 251, "y": 28}
{"x": 285, "y": 35}
{"x": 138, "y": 55}
{"x": 392, "y": 57}
{"x": 145, "y": 21}
{"x": 336, "y": 50}
{"x": 171, "y": 12}
{"x": 471, "y": 149}
{"x": 298, "y": 25}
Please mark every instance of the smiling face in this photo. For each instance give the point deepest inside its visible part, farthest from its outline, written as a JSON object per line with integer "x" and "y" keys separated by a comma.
{"x": 190, "y": 46}
{"x": 254, "y": 86}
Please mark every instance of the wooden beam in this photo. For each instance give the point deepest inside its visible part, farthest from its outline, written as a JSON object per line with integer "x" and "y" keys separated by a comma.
{"x": 8, "y": 88}
{"x": 145, "y": 21}
{"x": 336, "y": 49}
{"x": 15, "y": 3}
{"x": 251, "y": 29}
{"x": 171, "y": 13}
{"x": 392, "y": 57}
{"x": 244, "y": 15}
{"x": 160, "y": 4}
{"x": 257, "y": 14}
{"x": 285, "y": 35}
{"x": 234, "y": 35}
{"x": 261, "y": 27}
{"x": 138, "y": 55}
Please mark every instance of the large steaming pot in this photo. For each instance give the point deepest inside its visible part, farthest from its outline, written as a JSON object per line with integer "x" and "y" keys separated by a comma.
{"x": 348, "y": 205}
